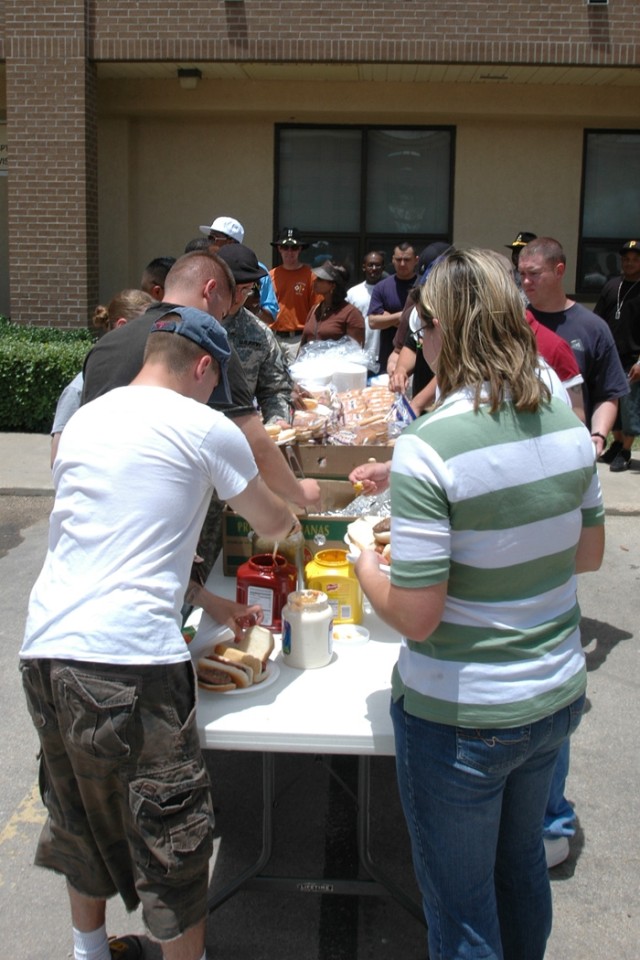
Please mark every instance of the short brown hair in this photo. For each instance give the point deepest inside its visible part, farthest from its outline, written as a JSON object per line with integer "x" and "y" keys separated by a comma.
{"x": 549, "y": 249}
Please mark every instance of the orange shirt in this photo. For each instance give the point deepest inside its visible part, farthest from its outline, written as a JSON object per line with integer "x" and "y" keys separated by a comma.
{"x": 294, "y": 290}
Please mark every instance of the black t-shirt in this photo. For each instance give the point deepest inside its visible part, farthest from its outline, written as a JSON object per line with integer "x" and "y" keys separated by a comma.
{"x": 117, "y": 358}
{"x": 594, "y": 348}
{"x": 626, "y": 327}
{"x": 422, "y": 372}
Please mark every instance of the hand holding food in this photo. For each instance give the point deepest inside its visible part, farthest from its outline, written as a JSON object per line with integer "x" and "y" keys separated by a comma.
{"x": 237, "y": 616}
{"x": 373, "y": 476}
{"x": 371, "y": 533}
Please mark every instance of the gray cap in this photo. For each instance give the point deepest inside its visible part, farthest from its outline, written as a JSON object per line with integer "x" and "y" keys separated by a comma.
{"x": 202, "y": 329}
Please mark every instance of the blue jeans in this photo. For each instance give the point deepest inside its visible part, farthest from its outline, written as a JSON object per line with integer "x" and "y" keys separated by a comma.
{"x": 474, "y": 802}
{"x": 559, "y": 817}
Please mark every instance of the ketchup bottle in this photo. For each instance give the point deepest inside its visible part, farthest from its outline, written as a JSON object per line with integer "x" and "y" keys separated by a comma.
{"x": 266, "y": 580}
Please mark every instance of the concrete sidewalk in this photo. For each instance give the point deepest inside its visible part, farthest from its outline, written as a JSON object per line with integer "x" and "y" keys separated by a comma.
{"x": 24, "y": 471}
{"x": 596, "y": 893}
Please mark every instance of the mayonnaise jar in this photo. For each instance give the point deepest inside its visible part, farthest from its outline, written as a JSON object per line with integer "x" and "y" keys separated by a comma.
{"x": 307, "y": 630}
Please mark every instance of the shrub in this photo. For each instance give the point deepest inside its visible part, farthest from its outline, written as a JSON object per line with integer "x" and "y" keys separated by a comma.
{"x": 36, "y": 363}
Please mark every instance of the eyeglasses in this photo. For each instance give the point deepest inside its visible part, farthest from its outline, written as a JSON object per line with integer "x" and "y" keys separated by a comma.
{"x": 221, "y": 238}
{"x": 426, "y": 323}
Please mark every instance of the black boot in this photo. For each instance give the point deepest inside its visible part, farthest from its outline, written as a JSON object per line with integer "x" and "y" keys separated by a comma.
{"x": 611, "y": 453}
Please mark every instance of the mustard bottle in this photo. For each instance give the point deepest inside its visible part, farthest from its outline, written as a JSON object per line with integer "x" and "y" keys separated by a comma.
{"x": 331, "y": 572}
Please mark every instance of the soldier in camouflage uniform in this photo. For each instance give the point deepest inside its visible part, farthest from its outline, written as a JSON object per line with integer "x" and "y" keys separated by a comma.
{"x": 263, "y": 361}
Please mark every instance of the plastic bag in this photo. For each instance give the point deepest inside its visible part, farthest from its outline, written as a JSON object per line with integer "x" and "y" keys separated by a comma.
{"x": 401, "y": 416}
{"x": 335, "y": 351}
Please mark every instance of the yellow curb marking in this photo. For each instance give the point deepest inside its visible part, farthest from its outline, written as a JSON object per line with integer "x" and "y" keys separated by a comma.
{"x": 28, "y": 812}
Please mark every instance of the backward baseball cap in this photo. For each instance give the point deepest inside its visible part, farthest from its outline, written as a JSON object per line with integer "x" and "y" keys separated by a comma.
{"x": 205, "y": 331}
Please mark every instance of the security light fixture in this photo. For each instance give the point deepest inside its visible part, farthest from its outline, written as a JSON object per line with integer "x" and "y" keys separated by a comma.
{"x": 188, "y": 77}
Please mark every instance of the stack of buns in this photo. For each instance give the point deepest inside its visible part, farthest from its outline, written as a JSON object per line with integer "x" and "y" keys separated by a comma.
{"x": 357, "y": 417}
{"x": 235, "y": 665}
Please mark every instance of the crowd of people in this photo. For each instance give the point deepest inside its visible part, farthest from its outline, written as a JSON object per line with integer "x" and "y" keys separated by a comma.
{"x": 495, "y": 507}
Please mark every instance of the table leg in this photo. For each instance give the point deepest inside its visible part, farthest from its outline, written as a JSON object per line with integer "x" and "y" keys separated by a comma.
{"x": 379, "y": 884}
{"x": 268, "y": 792}
{"x": 364, "y": 848}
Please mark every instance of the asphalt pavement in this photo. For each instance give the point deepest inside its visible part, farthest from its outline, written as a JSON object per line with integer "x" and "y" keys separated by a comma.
{"x": 596, "y": 892}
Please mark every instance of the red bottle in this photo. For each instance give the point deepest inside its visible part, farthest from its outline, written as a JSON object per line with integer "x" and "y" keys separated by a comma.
{"x": 266, "y": 580}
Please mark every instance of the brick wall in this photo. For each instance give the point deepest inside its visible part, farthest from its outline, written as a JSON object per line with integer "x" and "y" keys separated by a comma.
{"x": 51, "y": 126}
{"x": 50, "y": 48}
{"x": 515, "y": 31}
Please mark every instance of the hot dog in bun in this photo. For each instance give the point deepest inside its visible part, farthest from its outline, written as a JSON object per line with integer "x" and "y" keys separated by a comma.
{"x": 235, "y": 665}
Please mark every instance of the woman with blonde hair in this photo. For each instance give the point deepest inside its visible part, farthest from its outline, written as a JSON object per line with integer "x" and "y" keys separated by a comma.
{"x": 495, "y": 506}
{"x": 123, "y": 307}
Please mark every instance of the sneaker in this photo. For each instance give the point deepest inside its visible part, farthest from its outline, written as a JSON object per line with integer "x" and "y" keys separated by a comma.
{"x": 611, "y": 452}
{"x": 621, "y": 461}
{"x": 556, "y": 850}
{"x": 126, "y": 948}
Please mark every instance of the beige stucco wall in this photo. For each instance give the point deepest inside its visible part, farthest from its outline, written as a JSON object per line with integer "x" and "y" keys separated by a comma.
{"x": 170, "y": 159}
{"x": 178, "y": 174}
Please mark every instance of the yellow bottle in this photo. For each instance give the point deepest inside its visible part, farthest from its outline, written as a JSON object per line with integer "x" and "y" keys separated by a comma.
{"x": 331, "y": 572}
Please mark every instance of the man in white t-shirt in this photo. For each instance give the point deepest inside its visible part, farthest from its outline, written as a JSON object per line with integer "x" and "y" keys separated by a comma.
{"x": 360, "y": 297}
{"x": 107, "y": 674}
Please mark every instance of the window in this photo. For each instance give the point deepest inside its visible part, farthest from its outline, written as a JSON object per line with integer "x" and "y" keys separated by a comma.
{"x": 610, "y": 203}
{"x": 350, "y": 189}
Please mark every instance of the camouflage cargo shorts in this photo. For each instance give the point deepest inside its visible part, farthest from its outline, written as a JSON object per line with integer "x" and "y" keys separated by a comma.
{"x": 125, "y": 785}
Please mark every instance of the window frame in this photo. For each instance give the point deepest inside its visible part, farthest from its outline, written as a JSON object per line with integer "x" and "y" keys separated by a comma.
{"x": 362, "y": 240}
{"x": 588, "y": 245}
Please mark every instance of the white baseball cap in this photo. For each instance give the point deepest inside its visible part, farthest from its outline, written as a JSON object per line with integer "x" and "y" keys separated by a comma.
{"x": 227, "y": 225}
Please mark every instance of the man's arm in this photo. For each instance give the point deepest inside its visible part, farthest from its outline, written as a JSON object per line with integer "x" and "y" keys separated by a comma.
{"x": 577, "y": 402}
{"x": 403, "y": 370}
{"x": 273, "y": 467}
{"x": 268, "y": 300}
{"x": 380, "y": 321}
{"x": 379, "y": 317}
{"x": 274, "y": 386}
{"x": 602, "y": 421}
{"x": 268, "y": 515}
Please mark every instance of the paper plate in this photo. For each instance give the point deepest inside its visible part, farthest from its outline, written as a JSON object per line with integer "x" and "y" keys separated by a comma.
{"x": 350, "y": 634}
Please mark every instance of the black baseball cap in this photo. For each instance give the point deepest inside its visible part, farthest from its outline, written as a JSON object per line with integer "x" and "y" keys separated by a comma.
{"x": 242, "y": 262}
{"x": 632, "y": 246}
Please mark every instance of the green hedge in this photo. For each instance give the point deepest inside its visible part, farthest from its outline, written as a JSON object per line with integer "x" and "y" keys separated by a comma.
{"x": 36, "y": 363}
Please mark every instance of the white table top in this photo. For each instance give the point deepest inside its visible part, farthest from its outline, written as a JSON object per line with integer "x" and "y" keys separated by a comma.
{"x": 340, "y": 708}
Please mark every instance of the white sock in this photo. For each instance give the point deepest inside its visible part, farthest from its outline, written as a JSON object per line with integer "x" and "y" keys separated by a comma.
{"x": 91, "y": 946}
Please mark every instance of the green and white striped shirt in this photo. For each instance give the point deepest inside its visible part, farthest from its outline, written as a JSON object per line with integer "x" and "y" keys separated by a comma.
{"x": 494, "y": 504}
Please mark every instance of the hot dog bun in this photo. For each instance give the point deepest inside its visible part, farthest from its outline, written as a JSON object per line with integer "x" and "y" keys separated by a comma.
{"x": 257, "y": 641}
{"x": 215, "y": 673}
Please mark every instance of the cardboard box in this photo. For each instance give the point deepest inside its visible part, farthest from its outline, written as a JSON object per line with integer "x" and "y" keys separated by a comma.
{"x": 236, "y": 532}
{"x": 332, "y": 462}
